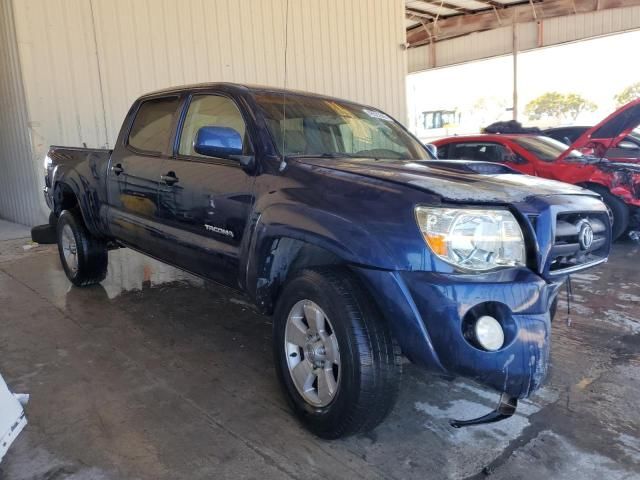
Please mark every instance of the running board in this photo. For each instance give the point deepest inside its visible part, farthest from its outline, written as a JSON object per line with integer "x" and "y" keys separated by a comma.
{"x": 506, "y": 408}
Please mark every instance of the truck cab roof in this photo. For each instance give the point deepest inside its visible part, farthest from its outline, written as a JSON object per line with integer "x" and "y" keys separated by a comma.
{"x": 240, "y": 88}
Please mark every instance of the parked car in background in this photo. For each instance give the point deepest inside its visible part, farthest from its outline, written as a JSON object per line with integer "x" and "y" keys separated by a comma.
{"x": 616, "y": 138}
{"x": 334, "y": 219}
{"x": 566, "y": 135}
{"x": 616, "y": 180}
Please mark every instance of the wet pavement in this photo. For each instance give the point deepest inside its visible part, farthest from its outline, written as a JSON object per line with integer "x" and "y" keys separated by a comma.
{"x": 156, "y": 374}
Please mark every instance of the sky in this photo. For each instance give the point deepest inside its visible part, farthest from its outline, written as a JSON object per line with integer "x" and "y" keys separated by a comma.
{"x": 597, "y": 69}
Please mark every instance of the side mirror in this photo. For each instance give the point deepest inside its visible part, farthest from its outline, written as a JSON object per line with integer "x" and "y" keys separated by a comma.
{"x": 433, "y": 150}
{"x": 222, "y": 142}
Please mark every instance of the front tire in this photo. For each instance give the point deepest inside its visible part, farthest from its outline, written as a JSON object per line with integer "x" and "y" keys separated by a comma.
{"x": 618, "y": 208}
{"x": 335, "y": 356}
{"x": 83, "y": 256}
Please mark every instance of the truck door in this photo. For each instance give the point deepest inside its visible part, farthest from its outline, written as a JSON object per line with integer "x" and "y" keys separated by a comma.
{"x": 205, "y": 201}
{"x": 134, "y": 174}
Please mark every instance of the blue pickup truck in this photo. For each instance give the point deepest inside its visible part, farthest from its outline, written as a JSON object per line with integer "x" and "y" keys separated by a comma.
{"x": 334, "y": 219}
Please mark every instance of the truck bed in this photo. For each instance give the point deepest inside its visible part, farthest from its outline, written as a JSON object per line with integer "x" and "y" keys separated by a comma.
{"x": 82, "y": 169}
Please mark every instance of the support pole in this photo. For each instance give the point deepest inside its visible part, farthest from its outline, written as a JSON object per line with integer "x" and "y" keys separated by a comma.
{"x": 515, "y": 70}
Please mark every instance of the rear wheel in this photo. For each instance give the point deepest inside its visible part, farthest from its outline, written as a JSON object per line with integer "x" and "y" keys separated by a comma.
{"x": 83, "y": 256}
{"x": 619, "y": 210}
{"x": 335, "y": 356}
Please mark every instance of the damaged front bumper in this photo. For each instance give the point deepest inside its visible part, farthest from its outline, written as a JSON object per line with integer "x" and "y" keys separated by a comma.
{"x": 429, "y": 314}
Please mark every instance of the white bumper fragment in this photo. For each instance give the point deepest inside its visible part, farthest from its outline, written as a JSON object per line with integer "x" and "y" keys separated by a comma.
{"x": 12, "y": 417}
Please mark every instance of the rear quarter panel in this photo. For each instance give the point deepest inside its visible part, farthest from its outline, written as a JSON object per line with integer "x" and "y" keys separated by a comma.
{"x": 84, "y": 172}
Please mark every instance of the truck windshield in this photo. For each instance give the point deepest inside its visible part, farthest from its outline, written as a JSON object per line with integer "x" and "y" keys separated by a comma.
{"x": 314, "y": 126}
{"x": 545, "y": 148}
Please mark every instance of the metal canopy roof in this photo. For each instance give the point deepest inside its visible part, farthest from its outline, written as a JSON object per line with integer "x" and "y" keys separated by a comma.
{"x": 430, "y": 9}
{"x": 429, "y": 21}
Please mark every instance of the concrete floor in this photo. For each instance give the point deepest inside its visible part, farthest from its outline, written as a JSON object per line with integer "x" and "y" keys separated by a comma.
{"x": 156, "y": 374}
{"x": 13, "y": 231}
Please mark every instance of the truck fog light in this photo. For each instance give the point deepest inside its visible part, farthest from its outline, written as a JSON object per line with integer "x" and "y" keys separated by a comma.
{"x": 489, "y": 333}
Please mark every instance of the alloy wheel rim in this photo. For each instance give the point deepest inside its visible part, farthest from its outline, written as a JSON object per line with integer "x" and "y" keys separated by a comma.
{"x": 69, "y": 248}
{"x": 313, "y": 356}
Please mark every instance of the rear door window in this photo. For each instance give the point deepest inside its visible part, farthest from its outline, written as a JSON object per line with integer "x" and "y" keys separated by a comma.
{"x": 152, "y": 127}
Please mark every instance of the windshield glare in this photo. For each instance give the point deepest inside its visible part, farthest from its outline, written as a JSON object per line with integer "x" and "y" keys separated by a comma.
{"x": 310, "y": 126}
{"x": 545, "y": 148}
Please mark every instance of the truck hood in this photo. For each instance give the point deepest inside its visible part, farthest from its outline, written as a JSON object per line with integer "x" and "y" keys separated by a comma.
{"x": 453, "y": 180}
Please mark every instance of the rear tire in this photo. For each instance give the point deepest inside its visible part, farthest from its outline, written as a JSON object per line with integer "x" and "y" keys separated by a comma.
{"x": 44, "y": 234}
{"x": 83, "y": 256}
{"x": 335, "y": 356}
{"x": 618, "y": 208}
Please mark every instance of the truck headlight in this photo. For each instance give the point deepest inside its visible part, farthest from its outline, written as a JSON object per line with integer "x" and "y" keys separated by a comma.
{"x": 47, "y": 162}
{"x": 473, "y": 239}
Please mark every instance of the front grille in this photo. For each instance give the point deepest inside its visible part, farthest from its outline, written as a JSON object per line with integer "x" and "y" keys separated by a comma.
{"x": 581, "y": 239}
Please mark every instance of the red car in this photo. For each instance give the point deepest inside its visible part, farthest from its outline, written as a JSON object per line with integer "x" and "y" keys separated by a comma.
{"x": 618, "y": 182}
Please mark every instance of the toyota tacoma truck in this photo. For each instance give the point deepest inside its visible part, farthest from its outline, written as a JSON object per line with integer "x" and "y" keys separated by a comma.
{"x": 334, "y": 219}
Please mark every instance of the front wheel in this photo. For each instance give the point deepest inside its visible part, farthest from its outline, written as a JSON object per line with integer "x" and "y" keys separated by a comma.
{"x": 83, "y": 256}
{"x": 619, "y": 211}
{"x": 335, "y": 356}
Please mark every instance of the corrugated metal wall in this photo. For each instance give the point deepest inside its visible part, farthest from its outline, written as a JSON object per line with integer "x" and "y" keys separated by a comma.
{"x": 84, "y": 61}
{"x": 20, "y": 191}
{"x": 497, "y": 42}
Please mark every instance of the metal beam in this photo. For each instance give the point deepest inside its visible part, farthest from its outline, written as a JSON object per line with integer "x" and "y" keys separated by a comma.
{"x": 450, "y": 6}
{"x": 419, "y": 13}
{"x": 459, "y": 25}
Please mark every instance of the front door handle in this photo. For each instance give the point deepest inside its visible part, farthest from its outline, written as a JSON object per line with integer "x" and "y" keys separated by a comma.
{"x": 117, "y": 169}
{"x": 170, "y": 178}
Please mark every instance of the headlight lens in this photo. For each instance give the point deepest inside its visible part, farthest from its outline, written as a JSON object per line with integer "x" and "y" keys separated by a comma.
{"x": 489, "y": 333}
{"x": 473, "y": 239}
{"x": 47, "y": 162}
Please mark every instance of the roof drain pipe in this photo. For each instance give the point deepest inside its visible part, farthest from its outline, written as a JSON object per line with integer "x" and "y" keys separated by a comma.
{"x": 283, "y": 161}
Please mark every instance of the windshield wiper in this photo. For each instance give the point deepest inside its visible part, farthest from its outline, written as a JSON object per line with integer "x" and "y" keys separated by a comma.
{"x": 325, "y": 155}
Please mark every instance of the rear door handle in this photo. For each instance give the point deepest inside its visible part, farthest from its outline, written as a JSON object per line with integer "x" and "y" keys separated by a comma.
{"x": 170, "y": 178}
{"x": 117, "y": 169}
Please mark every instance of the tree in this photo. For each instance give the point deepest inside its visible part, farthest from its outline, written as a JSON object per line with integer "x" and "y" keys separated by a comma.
{"x": 558, "y": 106}
{"x": 576, "y": 104}
{"x": 489, "y": 109}
{"x": 627, "y": 95}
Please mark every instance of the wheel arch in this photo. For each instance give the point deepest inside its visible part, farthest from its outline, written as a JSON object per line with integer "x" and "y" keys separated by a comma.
{"x": 67, "y": 195}
{"x": 281, "y": 257}
{"x": 287, "y": 237}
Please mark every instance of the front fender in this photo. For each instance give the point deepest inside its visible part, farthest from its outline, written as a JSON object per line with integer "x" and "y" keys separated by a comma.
{"x": 338, "y": 236}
